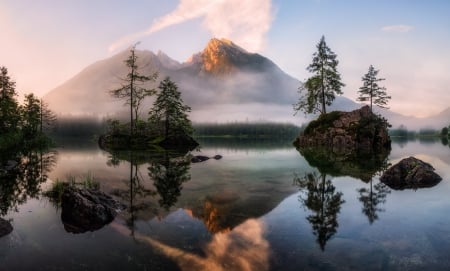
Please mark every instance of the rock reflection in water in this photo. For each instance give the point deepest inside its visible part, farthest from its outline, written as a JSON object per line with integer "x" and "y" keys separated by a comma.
{"x": 363, "y": 166}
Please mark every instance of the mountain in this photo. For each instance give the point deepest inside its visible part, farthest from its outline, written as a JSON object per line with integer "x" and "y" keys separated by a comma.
{"x": 222, "y": 83}
{"x": 217, "y": 80}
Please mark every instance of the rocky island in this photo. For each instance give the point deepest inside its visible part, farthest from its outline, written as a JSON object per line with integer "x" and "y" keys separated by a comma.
{"x": 347, "y": 132}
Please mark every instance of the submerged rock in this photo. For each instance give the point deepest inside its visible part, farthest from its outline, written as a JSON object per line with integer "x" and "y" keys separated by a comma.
{"x": 202, "y": 158}
{"x": 199, "y": 158}
{"x": 5, "y": 227}
{"x": 410, "y": 173}
{"x": 87, "y": 209}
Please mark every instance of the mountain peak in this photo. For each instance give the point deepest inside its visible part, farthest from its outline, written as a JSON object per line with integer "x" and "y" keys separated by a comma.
{"x": 223, "y": 57}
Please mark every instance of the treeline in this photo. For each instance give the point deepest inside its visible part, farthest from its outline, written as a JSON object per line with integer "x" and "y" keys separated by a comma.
{"x": 405, "y": 133}
{"x": 78, "y": 126}
{"x": 21, "y": 125}
{"x": 247, "y": 130}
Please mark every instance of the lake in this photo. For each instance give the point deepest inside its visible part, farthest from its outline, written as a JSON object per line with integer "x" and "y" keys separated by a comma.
{"x": 261, "y": 207}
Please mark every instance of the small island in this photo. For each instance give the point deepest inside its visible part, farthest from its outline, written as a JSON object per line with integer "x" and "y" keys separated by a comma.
{"x": 167, "y": 126}
{"x": 347, "y": 132}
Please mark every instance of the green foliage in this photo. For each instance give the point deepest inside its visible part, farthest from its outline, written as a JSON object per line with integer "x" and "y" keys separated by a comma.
{"x": 319, "y": 90}
{"x": 368, "y": 127}
{"x": 322, "y": 123}
{"x": 371, "y": 91}
{"x": 31, "y": 116}
{"x": 444, "y": 132}
{"x": 169, "y": 113}
{"x": 20, "y": 125}
{"x": 247, "y": 130}
{"x": 58, "y": 187}
{"x": 9, "y": 108}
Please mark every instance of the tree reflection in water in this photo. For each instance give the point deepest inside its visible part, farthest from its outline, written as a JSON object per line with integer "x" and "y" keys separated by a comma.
{"x": 319, "y": 195}
{"x": 168, "y": 176}
{"x": 24, "y": 180}
{"x": 371, "y": 198}
{"x": 167, "y": 171}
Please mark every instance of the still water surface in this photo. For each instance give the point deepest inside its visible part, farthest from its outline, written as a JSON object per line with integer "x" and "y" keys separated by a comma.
{"x": 261, "y": 207}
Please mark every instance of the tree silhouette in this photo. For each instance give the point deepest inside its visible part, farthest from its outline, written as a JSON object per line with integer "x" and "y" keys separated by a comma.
{"x": 135, "y": 185}
{"x": 132, "y": 90}
{"x": 170, "y": 111}
{"x": 319, "y": 90}
{"x": 371, "y": 198}
{"x": 320, "y": 197}
{"x": 371, "y": 91}
{"x": 9, "y": 111}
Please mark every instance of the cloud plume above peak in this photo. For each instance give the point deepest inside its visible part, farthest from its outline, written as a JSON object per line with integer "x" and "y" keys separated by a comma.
{"x": 246, "y": 22}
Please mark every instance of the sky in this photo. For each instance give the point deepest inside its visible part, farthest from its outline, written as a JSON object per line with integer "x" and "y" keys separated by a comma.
{"x": 45, "y": 43}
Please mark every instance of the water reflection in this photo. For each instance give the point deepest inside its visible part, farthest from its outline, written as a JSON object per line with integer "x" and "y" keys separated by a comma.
{"x": 167, "y": 171}
{"x": 371, "y": 199}
{"x": 168, "y": 175}
{"x": 243, "y": 249}
{"x": 319, "y": 196}
{"x": 362, "y": 166}
{"x": 21, "y": 179}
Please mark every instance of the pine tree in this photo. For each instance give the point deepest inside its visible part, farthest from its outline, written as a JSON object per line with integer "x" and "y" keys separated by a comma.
{"x": 319, "y": 90}
{"x": 371, "y": 91}
{"x": 31, "y": 116}
{"x": 9, "y": 108}
{"x": 169, "y": 111}
{"x": 132, "y": 91}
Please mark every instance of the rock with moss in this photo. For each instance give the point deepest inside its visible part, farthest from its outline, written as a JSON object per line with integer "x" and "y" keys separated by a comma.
{"x": 410, "y": 173}
{"x": 346, "y": 132}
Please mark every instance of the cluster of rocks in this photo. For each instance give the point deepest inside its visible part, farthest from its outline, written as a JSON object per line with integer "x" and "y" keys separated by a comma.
{"x": 334, "y": 137}
{"x": 358, "y": 130}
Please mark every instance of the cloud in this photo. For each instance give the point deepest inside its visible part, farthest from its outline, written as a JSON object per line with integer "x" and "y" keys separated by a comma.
{"x": 246, "y": 22}
{"x": 398, "y": 28}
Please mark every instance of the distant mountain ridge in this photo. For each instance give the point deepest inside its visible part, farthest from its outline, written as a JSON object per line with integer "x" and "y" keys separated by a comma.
{"x": 222, "y": 83}
{"x": 223, "y": 73}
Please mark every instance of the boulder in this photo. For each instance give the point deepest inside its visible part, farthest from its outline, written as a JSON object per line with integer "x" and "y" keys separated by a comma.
{"x": 87, "y": 209}
{"x": 346, "y": 132}
{"x": 199, "y": 158}
{"x": 5, "y": 227}
{"x": 410, "y": 173}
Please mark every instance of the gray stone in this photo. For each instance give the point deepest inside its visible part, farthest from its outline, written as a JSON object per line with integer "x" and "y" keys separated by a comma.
{"x": 87, "y": 209}
{"x": 410, "y": 173}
